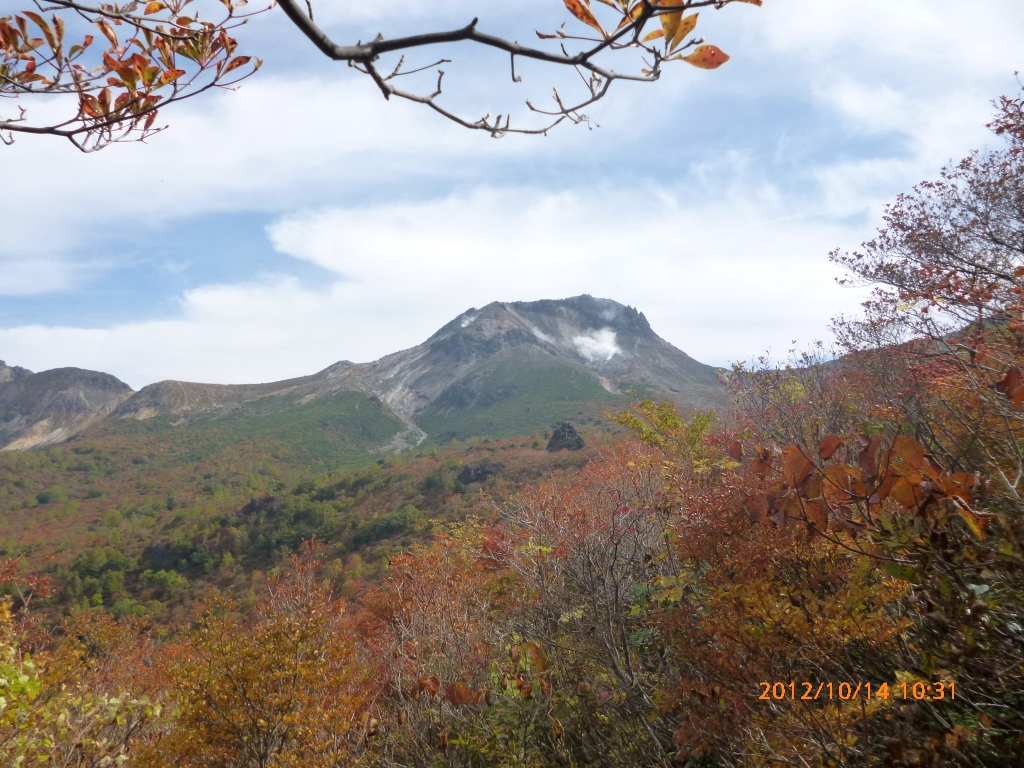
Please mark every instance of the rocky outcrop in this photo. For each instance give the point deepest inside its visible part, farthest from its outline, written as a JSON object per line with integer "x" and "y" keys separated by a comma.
{"x": 9, "y": 374}
{"x": 565, "y": 438}
{"x": 478, "y": 472}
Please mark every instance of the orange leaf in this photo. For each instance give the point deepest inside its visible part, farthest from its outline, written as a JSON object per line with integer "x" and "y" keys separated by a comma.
{"x": 582, "y": 12}
{"x": 796, "y": 466}
{"x": 904, "y": 493}
{"x": 1010, "y": 384}
{"x": 459, "y": 694}
{"x": 817, "y": 514}
{"x": 154, "y": 7}
{"x": 653, "y": 35}
{"x": 756, "y": 507}
{"x": 107, "y": 30}
{"x": 540, "y": 662}
{"x": 90, "y": 106}
{"x": 670, "y": 23}
{"x": 828, "y": 446}
{"x": 170, "y": 76}
{"x": 908, "y": 449}
{"x": 707, "y": 57}
{"x": 235, "y": 63}
{"x": 838, "y": 487}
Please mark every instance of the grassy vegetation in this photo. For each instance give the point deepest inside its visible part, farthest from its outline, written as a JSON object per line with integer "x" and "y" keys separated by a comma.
{"x": 333, "y": 432}
{"x": 509, "y": 400}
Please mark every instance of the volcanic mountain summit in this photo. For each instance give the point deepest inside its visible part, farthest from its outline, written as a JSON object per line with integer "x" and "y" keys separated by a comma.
{"x": 505, "y": 367}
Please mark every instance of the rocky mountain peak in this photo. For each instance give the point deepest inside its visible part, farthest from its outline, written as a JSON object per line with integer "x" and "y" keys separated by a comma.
{"x": 7, "y": 373}
{"x": 587, "y": 328}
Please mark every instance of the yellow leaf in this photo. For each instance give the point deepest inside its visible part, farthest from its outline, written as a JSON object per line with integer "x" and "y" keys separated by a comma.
{"x": 685, "y": 28}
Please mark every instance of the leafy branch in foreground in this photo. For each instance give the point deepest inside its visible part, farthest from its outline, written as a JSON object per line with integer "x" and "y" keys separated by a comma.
{"x": 150, "y": 57}
{"x": 163, "y": 52}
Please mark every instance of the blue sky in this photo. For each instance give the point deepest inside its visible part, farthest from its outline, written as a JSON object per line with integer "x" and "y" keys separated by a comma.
{"x": 303, "y": 220}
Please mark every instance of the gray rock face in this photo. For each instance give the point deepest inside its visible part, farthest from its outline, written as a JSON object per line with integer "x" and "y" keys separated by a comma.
{"x": 609, "y": 342}
{"x": 38, "y": 409}
{"x": 565, "y": 438}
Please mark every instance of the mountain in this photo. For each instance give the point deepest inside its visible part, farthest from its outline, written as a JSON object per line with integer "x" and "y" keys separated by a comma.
{"x": 505, "y": 369}
{"x": 38, "y": 409}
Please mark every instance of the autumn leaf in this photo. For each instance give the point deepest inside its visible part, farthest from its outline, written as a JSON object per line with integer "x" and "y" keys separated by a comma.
{"x": 817, "y": 513}
{"x": 903, "y": 492}
{"x": 796, "y": 467}
{"x": 459, "y": 694}
{"x": 540, "y": 661}
{"x": 235, "y": 63}
{"x": 582, "y": 11}
{"x": 756, "y": 507}
{"x": 974, "y": 522}
{"x": 170, "y": 75}
{"x": 107, "y": 30}
{"x": 869, "y": 457}
{"x": 684, "y": 28}
{"x": 707, "y": 57}
{"x": 828, "y": 446}
{"x": 908, "y": 449}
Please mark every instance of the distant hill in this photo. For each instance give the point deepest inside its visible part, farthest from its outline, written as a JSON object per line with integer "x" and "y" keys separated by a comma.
{"x": 45, "y": 408}
{"x": 506, "y": 369}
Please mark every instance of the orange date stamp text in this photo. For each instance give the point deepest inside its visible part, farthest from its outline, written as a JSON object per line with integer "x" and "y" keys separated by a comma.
{"x": 849, "y": 691}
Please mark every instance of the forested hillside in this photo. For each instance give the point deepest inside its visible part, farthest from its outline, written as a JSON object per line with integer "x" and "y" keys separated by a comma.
{"x": 831, "y": 575}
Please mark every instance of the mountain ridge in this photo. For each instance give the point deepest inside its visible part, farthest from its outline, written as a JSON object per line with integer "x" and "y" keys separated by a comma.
{"x": 477, "y": 360}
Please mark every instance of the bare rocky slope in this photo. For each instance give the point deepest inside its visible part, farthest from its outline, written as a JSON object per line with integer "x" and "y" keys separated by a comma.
{"x": 478, "y": 359}
{"x": 39, "y": 409}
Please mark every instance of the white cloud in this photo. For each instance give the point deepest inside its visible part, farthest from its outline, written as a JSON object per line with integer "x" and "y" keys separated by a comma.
{"x": 597, "y": 345}
{"x": 722, "y": 282}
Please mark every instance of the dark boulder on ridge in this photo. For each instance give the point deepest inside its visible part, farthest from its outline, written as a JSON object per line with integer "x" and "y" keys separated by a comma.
{"x": 565, "y": 438}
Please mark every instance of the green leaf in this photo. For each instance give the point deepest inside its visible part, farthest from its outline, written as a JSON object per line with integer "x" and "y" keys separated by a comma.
{"x": 900, "y": 571}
